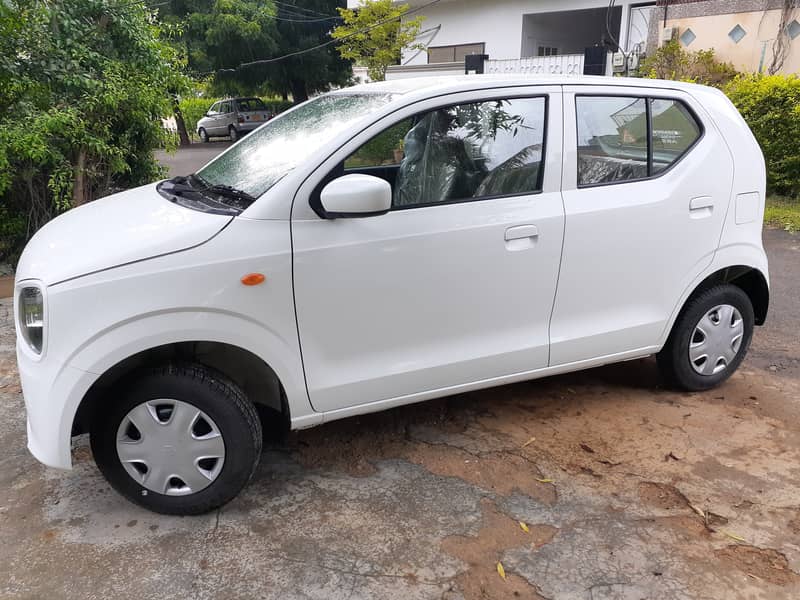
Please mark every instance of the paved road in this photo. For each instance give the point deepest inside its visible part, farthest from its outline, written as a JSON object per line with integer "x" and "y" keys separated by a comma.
{"x": 627, "y": 491}
{"x": 188, "y": 160}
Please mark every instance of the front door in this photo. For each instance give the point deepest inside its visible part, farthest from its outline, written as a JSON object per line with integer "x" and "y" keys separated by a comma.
{"x": 647, "y": 180}
{"x": 455, "y": 284}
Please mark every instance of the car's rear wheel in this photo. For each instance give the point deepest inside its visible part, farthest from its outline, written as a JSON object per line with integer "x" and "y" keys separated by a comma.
{"x": 203, "y": 135}
{"x": 709, "y": 340}
{"x": 177, "y": 440}
{"x": 233, "y": 133}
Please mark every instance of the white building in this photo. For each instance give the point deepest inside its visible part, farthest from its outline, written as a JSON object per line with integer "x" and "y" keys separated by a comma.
{"x": 522, "y": 35}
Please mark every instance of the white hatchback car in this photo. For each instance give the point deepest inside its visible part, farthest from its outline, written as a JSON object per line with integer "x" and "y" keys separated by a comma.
{"x": 387, "y": 244}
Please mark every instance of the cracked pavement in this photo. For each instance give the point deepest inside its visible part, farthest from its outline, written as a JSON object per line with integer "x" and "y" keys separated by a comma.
{"x": 627, "y": 490}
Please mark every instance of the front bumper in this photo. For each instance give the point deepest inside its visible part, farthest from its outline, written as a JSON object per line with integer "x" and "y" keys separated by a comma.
{"x": 52, "y": 392}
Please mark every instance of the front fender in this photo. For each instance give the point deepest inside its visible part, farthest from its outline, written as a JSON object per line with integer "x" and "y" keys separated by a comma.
{"x": 108, "y": 348}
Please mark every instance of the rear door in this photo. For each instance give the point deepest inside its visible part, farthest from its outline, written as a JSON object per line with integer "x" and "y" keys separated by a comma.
{"x": 647, "y": 181}
{"x": 211, "y": 119}
{"x": 225, "y": 118}
{"x": 455, "y": 284}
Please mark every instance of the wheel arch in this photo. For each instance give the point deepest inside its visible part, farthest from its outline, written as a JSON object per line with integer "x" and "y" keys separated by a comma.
{"x": 258, "y": 380}
{"x": 749, "y": 279}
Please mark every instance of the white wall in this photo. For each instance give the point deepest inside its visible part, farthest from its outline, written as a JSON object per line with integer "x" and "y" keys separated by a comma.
{"x": 498, "y": 23}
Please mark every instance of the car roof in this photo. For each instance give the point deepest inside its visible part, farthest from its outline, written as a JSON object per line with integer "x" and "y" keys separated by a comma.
{"x": 434, "y": 85}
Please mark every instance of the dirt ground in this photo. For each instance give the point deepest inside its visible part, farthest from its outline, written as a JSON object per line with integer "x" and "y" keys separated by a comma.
{"x": 593, "y": 486}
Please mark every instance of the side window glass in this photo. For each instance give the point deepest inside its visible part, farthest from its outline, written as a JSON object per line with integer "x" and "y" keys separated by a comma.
{"x": 612, "y": 139}
{"x": 226, "y": 108}
{"x": 214, "y": 109}
{"x": 674, "y": 132}
{"x": 384, "y": 149}
{"x": 460, "y": 153}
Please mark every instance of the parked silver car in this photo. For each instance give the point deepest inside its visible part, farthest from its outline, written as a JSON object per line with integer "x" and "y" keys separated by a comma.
{"x": 232, "y": 117}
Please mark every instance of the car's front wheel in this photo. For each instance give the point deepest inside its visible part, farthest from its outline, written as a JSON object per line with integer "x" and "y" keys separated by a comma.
{"x": 177, "y": 440}
{"x": 203, "y": 135}
{"x": 709, "y": 339}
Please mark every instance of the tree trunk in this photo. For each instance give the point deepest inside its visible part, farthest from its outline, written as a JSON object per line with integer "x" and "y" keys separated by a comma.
{"x": 79, "y": 188}
{"x": 299, "y": 90}
{"x": 180, "y": 123}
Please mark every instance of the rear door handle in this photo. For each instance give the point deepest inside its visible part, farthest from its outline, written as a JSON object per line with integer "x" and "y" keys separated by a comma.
{"x": 701, "y": 207}
{"x": 521, "y": 232}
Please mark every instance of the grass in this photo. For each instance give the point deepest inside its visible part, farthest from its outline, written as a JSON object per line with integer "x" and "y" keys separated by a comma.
{"x": 783, "y": 212}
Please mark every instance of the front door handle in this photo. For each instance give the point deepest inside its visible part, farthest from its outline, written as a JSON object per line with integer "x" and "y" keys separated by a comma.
{"x": 521, "y": 232}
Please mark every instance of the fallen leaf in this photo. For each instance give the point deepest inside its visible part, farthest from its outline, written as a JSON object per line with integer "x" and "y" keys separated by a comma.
{"x": 732, "y": 536}
{"x": 545, "y": 480}
{"x": 529, "y": 442}
{"x": 524, "y": 527}
{"x": 587, "y": 448}
{"x": 501, "y": 571}
{"x": 673, "y": 456}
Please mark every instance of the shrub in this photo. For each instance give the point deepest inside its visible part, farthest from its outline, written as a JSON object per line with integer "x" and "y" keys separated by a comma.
{"x": 671, "y": 61}
{"x": 193, "y": 110}
{"x": 771, "y": 106}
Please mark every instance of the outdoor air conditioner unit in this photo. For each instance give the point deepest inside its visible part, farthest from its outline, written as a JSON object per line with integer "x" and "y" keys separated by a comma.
{"x": 668, "y": 34}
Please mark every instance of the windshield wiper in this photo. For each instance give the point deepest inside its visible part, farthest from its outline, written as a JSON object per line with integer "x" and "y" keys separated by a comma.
{"x": 181, "y": 191}
{"x": 231, "y": 192}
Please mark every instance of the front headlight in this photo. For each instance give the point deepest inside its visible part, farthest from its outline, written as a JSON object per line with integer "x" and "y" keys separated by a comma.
{"x": 31, "y": 317}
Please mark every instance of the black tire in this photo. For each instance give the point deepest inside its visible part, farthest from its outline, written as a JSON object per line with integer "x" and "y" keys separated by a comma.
{"x": 203, "y": 135}
{"x": 233, "y": 133}
{"x": 222, "y": 400}
{"x": 674, "y": 361}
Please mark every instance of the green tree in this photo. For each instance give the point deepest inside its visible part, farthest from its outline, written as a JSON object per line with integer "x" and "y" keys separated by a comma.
{"x": 374, "y": 35}
{"x": 310, "y": 72}
{"x": 82, "y": 84}
{"x": 219, "y": 36}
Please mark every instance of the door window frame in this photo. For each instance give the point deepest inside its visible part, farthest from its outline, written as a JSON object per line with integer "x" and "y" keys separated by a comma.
{"x": 338, "y": 170}
{"x": 648, "y": 98}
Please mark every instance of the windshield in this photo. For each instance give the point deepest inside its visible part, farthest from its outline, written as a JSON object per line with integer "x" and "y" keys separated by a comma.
{"x": 250, "y": 104}
{"x": 265, "y": 156}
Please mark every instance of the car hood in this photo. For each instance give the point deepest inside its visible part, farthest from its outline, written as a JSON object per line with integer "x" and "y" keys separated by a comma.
{"x": 113, "y": 231}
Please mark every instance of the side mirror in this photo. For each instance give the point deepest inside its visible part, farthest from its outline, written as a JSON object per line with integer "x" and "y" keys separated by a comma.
{"x": 356, "y": 196}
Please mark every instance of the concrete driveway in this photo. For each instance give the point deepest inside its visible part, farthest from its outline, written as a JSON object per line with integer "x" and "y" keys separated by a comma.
{"x": 599, "y": 485}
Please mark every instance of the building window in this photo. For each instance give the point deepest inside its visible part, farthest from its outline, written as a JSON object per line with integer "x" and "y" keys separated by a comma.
{"x": 456, "y": 53}
{"x": 547, "y": 51}
{"x": 793, "y": 29}
{"x": 737, "y": 34}
{"x": 687, "y": 37}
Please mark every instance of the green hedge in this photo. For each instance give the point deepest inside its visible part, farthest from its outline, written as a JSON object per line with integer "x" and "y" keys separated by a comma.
{"x": 193, "y": 110}
{"x": 771, "y": 106}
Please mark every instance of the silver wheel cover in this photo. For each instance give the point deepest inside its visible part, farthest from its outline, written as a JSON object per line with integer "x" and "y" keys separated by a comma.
{"x": 716, "y": 340}
{"x": 170, "y": 447}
